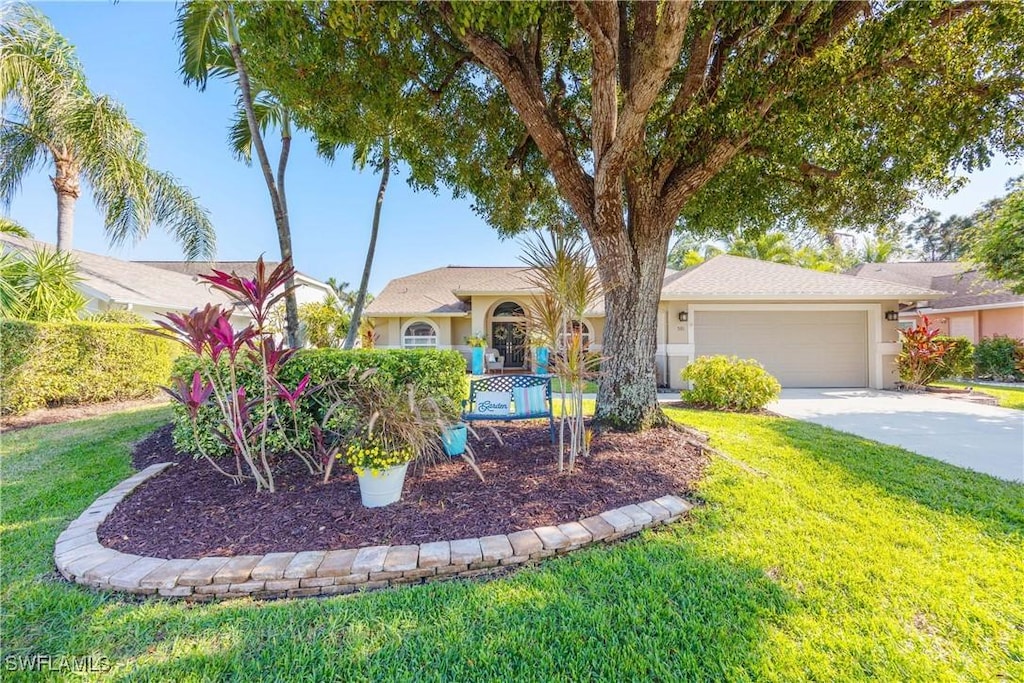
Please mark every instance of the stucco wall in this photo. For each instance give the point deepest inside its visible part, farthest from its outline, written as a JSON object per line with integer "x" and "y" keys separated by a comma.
{"x": 1008, "y": 321}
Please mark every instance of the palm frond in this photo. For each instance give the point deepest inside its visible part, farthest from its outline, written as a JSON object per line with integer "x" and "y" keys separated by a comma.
{"x": 9, "y": 226}
{"x": 12, "y": 277}
{"x": 48, "y": 286}
{"x": 21, "y": 152}
{"x": 178, "y": 212}
{"x": 269, "y": 114}
{"x": 202, "y": 40}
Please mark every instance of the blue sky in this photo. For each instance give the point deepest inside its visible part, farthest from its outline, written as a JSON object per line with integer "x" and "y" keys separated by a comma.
{"x": 129, "y": 52}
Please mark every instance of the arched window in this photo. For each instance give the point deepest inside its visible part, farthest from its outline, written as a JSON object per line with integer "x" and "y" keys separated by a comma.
{"x": 419, "y": 335}
{"x": 576, "y": 327}
{"x": 508, "y": 309}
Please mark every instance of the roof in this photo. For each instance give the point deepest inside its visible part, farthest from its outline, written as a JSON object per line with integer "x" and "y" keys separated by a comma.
{"x": 445, "y": 291}
{"x": 917, "y": 273}
{"x": 127, "y": 282}
{"x": 966, "y": 287}
{"x": 246, "y": 269}
{"x": 737, "y": 277}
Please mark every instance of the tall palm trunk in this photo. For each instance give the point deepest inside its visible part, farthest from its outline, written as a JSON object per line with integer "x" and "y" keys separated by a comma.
{"x": 274, "y": 188}
{"x": 66, "y": 184}
{"x": 364, "y": 282}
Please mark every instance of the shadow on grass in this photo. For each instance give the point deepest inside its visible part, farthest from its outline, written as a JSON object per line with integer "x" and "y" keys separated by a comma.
{"x": 996, "y": 504}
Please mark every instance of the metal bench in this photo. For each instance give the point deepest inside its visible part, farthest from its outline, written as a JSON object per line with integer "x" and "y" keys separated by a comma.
{"x": 505, "y": 383}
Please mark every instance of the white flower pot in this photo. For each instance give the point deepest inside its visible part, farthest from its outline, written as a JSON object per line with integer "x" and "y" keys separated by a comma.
{"x": 384, "y": 488}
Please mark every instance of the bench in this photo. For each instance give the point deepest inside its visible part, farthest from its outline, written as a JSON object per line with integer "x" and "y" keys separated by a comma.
{"x": 507, "y": 384}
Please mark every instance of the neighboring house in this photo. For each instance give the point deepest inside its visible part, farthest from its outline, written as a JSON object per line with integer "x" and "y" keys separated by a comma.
{"x": 970, "y": 305}
{"x": 307, "y": 289}
{"x": 808, "y": 328}
{"x": 110, "y": 283}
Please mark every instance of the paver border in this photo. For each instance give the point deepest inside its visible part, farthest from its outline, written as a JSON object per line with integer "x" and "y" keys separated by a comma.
{"x": 81, "y": 558}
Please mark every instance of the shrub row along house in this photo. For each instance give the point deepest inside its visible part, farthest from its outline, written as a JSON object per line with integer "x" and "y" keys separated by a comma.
{"x": 808, "y": 328}
{"x": 968, "y": 304}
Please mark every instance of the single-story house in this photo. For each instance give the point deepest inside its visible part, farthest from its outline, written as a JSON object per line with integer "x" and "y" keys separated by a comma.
{"x": 111, "y": 283}
{"x": 307, "y": 288}
{"x": 808, "y": 328}
{"x": 970, "y": 305}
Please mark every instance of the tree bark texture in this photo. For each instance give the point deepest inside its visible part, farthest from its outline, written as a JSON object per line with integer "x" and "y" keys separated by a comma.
{"x": 66, "y": 184}
{"x": 364, "y": 281}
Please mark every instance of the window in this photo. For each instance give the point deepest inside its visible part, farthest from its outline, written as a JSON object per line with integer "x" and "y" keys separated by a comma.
{"x": 576, "y": 327}
{"x": 419, "y": 335}
{"x": 509, "y": 309}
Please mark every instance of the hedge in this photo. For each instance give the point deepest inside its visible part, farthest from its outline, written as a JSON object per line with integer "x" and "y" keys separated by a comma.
{"x": 441, "y": 374}
{"x": 49, "y": 364}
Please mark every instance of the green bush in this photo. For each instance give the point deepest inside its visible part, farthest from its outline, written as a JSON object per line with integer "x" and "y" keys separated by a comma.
{"x": 729, "y": 383}
{"x": 958, "y": 360}
{"x": 999, "y": 358}
{"x": 49, "y": 364}
{"x": 438, "y": 374}
{"x": 120, "y": 315}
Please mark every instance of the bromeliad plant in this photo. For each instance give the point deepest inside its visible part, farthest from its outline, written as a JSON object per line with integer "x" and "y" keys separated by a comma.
{"x": 245, "y": 422}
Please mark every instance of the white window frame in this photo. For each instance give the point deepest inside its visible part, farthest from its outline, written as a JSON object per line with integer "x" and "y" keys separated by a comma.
{"x": 419, "y": 341}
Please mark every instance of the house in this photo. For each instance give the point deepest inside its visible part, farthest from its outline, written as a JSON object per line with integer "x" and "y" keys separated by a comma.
{"x": 110, "y": 283}
{"x": 307, "y": 289}
{"x": 808, "y": 328}
{"x": 970, "y": 305}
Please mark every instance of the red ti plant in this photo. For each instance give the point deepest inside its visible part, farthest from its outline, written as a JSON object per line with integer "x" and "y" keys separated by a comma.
{"x": 244, "y": 420}
{"x": 920, "y": 359}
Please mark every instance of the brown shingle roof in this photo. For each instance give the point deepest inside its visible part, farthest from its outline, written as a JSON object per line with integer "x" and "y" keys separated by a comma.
{"x": 917, "y": 273}
{"x": 971, "y": 290}
{"x": 119, "y": 281}
{"x": 738, "y": 277}
{"x": 244, "y": 268}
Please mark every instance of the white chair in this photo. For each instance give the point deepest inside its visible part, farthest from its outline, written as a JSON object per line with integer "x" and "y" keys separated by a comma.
{"x": 494, "y": 361}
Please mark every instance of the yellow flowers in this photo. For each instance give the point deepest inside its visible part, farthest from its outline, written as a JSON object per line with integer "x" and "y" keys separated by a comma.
{"x": 375, "y": 456}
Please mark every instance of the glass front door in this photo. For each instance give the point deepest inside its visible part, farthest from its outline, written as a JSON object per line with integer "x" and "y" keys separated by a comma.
{"x": 509, "y": 339}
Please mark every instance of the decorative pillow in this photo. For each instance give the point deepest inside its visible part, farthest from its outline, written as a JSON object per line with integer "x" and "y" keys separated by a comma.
{"x": 495, "y": 403}
{"x": 529, "y": 401}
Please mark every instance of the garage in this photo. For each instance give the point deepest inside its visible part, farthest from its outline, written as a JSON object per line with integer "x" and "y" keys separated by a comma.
{"x": 821, "y": 348}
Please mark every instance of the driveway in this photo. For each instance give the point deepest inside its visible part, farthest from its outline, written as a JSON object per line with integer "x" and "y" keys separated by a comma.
{"x": 979, "y": 437}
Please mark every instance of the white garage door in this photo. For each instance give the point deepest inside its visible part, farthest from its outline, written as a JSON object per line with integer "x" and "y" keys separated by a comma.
{"x": 801, "y": 348}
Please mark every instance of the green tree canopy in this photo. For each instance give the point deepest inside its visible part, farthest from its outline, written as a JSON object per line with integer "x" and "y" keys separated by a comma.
{"x": 999, "y": 242}
{"x": 634, "y": 117}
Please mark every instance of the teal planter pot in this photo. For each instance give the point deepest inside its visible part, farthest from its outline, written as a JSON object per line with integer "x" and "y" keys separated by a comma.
{"x": 478, "y": 360}
{"x": 453, "y": 439}
{"x": 542, "y": 360}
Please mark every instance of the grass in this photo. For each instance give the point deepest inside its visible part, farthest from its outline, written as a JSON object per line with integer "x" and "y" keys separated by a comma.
{"x": 1009, "y": 397}
{"x": 816, "y": 555}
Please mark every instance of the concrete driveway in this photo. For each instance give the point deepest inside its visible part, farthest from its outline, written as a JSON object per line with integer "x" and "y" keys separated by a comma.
{"x": 979, "y": 437}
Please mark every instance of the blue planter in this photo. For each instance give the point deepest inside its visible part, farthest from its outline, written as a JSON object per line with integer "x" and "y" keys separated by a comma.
{"x": 453, "y": 439}
{"x": 542, "y": 360}
{"x": 478, "y": 360}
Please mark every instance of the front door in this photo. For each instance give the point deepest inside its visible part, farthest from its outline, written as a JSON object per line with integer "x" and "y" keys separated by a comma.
{"x": 509, "y": 339}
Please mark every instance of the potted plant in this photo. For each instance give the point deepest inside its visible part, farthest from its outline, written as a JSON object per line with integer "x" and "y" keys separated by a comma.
{"x": 380, "y": 465}
{"x": 477, "y": 342}
{"x": 453, "y": 439}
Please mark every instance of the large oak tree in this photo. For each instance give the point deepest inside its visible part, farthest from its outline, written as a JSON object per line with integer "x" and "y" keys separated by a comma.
{"x": 628, "y": 119}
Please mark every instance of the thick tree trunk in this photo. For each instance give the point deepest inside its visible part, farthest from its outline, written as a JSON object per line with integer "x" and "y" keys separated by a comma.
{"x": 66, "y": 185}
{"x": 284, "y": 239}
{"x": 628, "y": 393}
{"x": 364, "y": 282}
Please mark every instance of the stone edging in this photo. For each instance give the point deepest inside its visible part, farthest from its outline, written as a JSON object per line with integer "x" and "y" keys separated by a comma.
{"x": 80, "y": 557}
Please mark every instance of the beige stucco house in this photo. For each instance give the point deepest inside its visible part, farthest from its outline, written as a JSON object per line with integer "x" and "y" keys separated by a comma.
{"x": 967, "y": 304}
{"x": 808, "y": 328}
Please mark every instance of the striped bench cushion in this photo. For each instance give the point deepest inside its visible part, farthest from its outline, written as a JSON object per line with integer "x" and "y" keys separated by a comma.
{"x": 529, "y": 401}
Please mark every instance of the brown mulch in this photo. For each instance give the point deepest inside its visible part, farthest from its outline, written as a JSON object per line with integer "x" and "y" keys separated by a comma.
{"x": 191, "y": 511}
{"x": 68, "y": 413}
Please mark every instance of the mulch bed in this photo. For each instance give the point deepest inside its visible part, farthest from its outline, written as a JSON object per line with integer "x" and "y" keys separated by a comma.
{"x": 191, "y": 511}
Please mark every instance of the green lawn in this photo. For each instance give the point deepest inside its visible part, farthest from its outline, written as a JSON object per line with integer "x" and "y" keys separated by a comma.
{"x": 1009, "y": 397}
{"x": 816, "y": 555}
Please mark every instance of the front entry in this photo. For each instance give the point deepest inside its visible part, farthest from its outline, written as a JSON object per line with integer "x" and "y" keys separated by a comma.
{"x": 509, "y": 339}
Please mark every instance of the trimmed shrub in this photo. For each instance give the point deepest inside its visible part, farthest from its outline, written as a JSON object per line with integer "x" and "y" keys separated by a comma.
{"x": 436, "y": 373}
{"x": 729, "y": 383}
{"x": 49, "y": 364}
{"x": 999, "y": 358}
{"x": 958, "y": 360}
{"x": 120, "y": 315}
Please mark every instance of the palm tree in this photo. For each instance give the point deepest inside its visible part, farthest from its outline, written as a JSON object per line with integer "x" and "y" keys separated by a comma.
{"x": 770, "y": 246}
{"x": 210, "y": 44}
{"x": 50, "y": 116}
{"x": 9, "y": 226}
{"x": 878, "y": 250}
